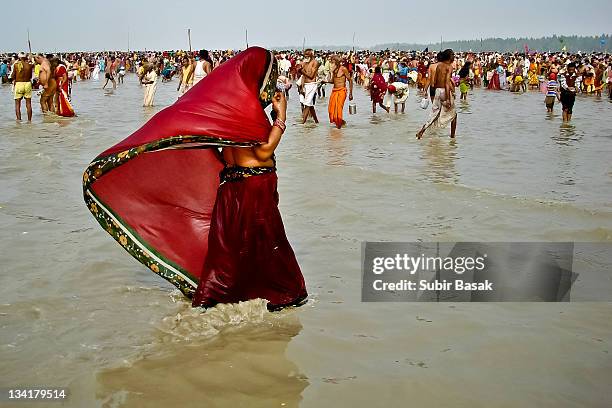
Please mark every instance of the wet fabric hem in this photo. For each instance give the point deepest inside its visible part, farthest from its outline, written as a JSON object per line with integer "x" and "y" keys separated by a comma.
{"x": 136, "y": 246}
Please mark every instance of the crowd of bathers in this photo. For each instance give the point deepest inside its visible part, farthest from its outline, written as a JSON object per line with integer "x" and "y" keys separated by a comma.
{"x": 516, "y": 72}
{"x": 526, "y": 70}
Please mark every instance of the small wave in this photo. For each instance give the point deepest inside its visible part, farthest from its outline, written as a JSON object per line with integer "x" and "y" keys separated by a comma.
{"x": 464, "y": 190}
{"x": 190, "y": 323}
{"x": 115, "y": 399}
{"x": 537, "y": 202}
{"x": 600, "y": 234}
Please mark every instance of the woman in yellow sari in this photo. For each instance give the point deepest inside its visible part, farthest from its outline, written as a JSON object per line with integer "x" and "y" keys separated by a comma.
{"x": 534, "y": 82}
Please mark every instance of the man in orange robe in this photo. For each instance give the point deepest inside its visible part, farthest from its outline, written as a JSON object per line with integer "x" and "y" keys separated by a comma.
{"x": 340, "y": 75}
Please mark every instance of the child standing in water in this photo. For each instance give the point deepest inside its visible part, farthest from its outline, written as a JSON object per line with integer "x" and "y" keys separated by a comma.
{"x": 464, "y": 80}
{"x": 552, "y": 92}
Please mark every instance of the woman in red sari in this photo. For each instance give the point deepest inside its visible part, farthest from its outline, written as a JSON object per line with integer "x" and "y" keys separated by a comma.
{"x": 63, "y": 106}
{"x": 248, "y": 252}
{"x": 207, "y": 221}
{"x": 494, "y": 83}
{"x": 378, "y": 89}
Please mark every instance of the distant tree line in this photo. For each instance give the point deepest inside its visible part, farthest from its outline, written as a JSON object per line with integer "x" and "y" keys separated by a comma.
{"x": 570, "y": 43}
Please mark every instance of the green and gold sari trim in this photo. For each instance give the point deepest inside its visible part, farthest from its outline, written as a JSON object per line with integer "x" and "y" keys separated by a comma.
{"x": 268, "y": 87}
{"x": 102, "y": 165}
{"x": 120, "y": 230}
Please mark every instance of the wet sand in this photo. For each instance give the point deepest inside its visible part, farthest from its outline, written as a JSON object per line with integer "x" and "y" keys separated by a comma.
{"x": 77, "y": 311}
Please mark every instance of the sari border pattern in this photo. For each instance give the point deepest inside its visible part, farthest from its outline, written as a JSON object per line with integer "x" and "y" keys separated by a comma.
{"x": 268, "y": 86}
{"x": 117, "y": 228}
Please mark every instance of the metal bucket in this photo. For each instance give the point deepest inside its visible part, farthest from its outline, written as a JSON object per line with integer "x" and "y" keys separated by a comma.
{"x": 424, "y": 103}
{"x": 352, "y": 108}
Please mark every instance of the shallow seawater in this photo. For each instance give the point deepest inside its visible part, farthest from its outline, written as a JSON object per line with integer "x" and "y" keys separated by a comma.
{"x": 77, "y": 311}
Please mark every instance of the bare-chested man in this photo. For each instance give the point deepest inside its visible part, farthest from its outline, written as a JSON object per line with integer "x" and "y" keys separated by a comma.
{"x": 52, "y": 85}
{"x": 340, "y": 74}
{"x": 43, "y": 77}
{"x": 22, "y": 83}
{"x": 110, "y": 71}
{"x": 431, "y": 73}
{"x": 309, "y": 71}
{"x": 443, "y": 106}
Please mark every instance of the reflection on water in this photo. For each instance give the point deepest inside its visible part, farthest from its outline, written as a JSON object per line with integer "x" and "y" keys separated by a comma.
{"x": 463, "y": 107}
{"x": 568, "y": 134}
{"x": 337, "y": 149}
{"x": 242, "y": 365}
{"x": 568, "y": 141}
{"x": 377, "y": 118}
{"x": 58, "y": 120}
{"x": 552, "y": 116}
{"x": 440, "y": 155}
{"x": 567, "y": 163}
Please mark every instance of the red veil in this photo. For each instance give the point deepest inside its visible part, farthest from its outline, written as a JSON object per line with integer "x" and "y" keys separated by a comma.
{"x": 154, "y": 191}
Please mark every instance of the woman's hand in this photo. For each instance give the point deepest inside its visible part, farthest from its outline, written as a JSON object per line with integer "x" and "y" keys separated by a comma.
{"x": 279, "y": 104}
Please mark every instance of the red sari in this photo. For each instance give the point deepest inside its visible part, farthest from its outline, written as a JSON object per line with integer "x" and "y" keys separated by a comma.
{"x": 378, "y": 88}
{"x": 64, "y": 106}
{"x": 494, "y": 82}
{"x": 157, "y": 192}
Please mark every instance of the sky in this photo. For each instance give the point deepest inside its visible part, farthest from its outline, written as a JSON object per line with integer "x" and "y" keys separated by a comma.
{"x": 162, "y": 24}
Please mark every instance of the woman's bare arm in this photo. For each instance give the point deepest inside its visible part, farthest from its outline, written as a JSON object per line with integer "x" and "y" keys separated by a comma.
{"x": 265, "y": 151}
